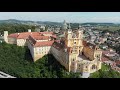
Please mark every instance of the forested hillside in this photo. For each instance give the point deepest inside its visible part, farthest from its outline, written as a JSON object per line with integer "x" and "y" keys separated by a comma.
{"x": 17, "y": 61}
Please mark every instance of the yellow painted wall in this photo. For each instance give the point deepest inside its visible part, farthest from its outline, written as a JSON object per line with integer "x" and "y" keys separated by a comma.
{"x": 21, "y": 42}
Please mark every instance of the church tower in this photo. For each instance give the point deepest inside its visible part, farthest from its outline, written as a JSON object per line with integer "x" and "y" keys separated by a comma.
{"x": 68, "y": 37}
{"x": 80, "y": 32}
{"x": 6, "y": 36}
{"x": 73, "y": 39}
{"x": 69, "y": 27}
{"x": 64, "y": 25}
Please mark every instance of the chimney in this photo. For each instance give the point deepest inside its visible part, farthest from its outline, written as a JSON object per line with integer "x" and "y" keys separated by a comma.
{"x": 29, "y": 30}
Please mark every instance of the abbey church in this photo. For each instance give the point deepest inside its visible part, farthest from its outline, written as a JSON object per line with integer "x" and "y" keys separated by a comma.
{"x": 74, "y": 53}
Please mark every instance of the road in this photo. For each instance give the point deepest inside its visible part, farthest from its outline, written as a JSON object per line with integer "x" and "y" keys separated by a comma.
{"x": 4, "y": 75}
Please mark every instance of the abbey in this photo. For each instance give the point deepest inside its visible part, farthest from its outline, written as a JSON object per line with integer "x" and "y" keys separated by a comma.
{"x": 74, "y": 53}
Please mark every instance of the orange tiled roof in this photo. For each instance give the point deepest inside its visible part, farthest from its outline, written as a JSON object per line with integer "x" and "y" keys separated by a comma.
{"x": 26, "y": 34}
{"x": 40, "y": 37}
{"x": 45, "y": 43}
{"x": 23, "y": 35}
{"x": 15, "y": 35}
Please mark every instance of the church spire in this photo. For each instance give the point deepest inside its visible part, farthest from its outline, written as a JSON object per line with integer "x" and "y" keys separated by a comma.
{"x": 69, "y": 27}
{"x": 79, "y": 26}
{"x": 64, "y": 25}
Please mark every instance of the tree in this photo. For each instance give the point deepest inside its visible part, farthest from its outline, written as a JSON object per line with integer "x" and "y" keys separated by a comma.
{"x": 17, "y": 61}
{"x": 15, "y": 28}
{"x": 105, "y": 72}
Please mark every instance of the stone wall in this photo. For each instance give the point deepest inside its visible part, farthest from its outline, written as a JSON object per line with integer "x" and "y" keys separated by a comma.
{"x": 61, "y": 56}
{"x": 12, "y": 40}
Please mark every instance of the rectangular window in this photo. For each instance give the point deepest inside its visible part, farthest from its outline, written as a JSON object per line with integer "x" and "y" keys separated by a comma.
{"x": 36, "y": 52}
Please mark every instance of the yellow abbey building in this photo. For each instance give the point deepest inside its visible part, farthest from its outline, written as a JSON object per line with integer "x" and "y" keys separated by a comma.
{"x": 74, "y": 53}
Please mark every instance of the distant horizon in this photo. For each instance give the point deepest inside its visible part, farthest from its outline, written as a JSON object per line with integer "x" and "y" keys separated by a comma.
{"x": 70, "y": 17}
{"x": 60, "y": 22}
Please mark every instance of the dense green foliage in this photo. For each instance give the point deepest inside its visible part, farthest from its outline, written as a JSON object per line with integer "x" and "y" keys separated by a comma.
{"x": 17, "y": 61}
{"x": 15, "y": 28}
{"x": 105, "y": 72}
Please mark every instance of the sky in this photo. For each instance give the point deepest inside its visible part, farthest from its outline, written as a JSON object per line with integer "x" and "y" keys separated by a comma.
{"x": 76, "y": 17}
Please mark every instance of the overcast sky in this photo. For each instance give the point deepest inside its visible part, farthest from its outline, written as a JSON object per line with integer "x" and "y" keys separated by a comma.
{"x": 78, "y": 17}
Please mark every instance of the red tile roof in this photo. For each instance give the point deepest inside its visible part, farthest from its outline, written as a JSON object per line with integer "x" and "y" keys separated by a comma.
{"x": 104, "y": 59}
{"x": 23, "y": 35}
{"x": 15, "y": 35}
{"x": 36, "y": 35}
{"x": 45, "y": 43}
{"x": 117, "y": 62}
{"x": 33, "y": 41}
{"x": 57, "y": 45}
{"x": 26, "y": 34}
{"x": 40, "y": 37}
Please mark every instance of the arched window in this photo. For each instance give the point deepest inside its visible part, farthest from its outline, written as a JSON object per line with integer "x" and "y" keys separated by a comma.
{"x": 93, "y": 67}
{"x": 73, "y": 59}
{"x": 96, "y": 48}
{"x": 74, "y": 42}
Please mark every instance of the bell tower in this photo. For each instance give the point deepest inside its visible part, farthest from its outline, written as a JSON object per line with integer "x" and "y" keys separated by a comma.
{"x": 80, "y": 32}
{"x": 6, "y": 36}
{"x": 68, "y": 37}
